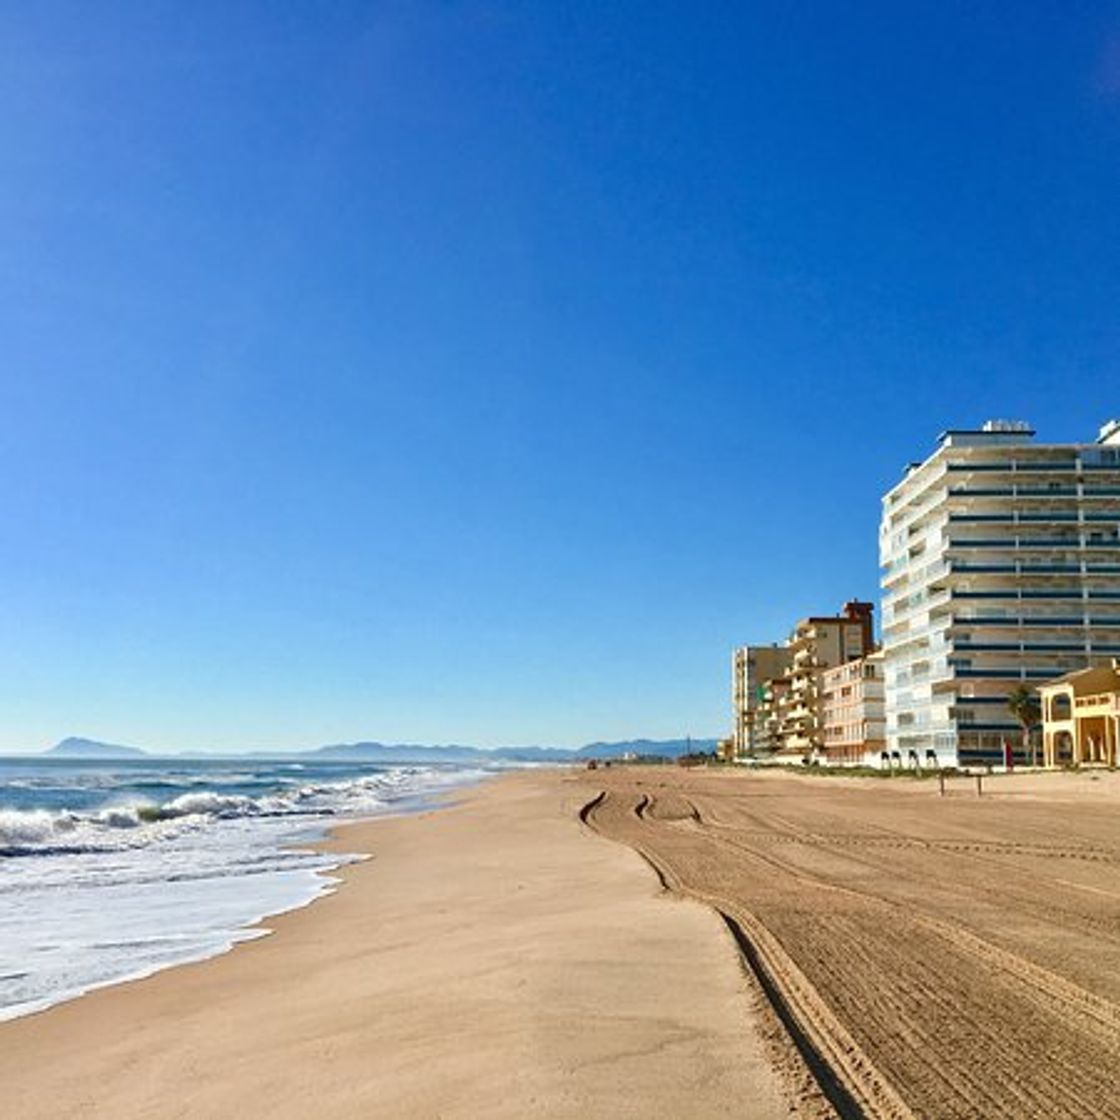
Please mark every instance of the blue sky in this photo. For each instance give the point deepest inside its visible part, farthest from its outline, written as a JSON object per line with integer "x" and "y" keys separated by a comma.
{"x": 449, "y": 372}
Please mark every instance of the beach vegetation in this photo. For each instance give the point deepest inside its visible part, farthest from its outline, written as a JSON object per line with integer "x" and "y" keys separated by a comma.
{"x": 1023, "y": 703}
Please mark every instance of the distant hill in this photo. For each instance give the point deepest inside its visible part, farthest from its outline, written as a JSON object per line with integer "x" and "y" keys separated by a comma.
{"x": 89, "y": 748}
{"x": 397, "y": 752}
{"x": 661, "y": 748}
{"x": 415, "y": 752}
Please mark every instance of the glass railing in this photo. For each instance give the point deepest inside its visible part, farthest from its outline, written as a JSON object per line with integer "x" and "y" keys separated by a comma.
{"x": 1018, "y": 542}
{"x": 1013, "y": 492}
{"x": 1015, "y": 619}
{"x": 1010, "y": 674}
{"x": 960, "y": 566}
{"x": 1014, "y": 594}
{"x": 1062, "y": 540}
{"x": 1013, "y": 518}
{"x": 1015, "y": 466}
{"x": 1019, "y": 647}
{"x": 1034, "y": 569}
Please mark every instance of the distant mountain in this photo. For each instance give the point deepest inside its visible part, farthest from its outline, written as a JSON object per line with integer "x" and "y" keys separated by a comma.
{"x": 398, "y": 752}
{"x": 88, "y": 748}
{"x": 415, "y": 752}
{"x": 661, "y": 748}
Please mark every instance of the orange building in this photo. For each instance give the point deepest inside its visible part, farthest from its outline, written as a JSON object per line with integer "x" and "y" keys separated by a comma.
{"x": 853, "y": 712}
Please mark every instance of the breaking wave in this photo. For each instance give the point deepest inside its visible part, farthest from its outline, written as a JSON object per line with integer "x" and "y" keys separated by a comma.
{"x": 119, "y": 870}
{"x": 140, "y": 821}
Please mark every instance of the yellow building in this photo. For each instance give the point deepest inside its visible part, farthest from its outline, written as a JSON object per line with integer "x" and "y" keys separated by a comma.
{"x": 1081, "y": 717}
{"x": 777, "y": 692}
{"x": 751, "y": 668}
{"x": 817, "y": 644}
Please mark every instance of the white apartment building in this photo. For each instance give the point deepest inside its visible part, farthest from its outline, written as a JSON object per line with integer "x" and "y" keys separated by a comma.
{"x": 1000, "y": 567}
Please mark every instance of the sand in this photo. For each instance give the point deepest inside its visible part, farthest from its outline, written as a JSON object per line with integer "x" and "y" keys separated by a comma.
{"x": 493, "y": 959}
{"x": 648, "y": 942}
{"x": 944, "y": 957}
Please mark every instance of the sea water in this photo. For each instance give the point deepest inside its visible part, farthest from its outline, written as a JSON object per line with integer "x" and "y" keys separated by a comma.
{"x": 113, "y": 870}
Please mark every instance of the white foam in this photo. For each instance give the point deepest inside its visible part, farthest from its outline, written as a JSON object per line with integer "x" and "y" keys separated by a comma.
{"x": 133, "y": 887}
{"x": 24, "y": 827}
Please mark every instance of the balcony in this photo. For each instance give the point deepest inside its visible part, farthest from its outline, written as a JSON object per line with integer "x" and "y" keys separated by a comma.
{"x": 1028, "y": 569}
{"x": 1009, "y": 674}
{"x": 1028, "y": 542}
{"x": 1025, "y": 647}
{"x": 1008, "y": 518}
{"x": 1041, "y": 569}
{"x": 1016, "y": 518}
{"x": 1013, "y": 492}
{"x": 1015, "y": 466}
{"x": 1016, "y": 621}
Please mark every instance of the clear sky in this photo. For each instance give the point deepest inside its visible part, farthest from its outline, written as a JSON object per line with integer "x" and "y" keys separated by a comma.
{"x": 484, "y": 372}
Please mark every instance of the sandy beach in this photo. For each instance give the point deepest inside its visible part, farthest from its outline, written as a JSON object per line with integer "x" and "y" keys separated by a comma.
{"x": 946, "y": 957}
{"x": 494, "y": 958}
{"x": 648, "y": 941}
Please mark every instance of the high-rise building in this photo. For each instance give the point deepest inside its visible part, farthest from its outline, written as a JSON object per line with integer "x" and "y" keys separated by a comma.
{"x": 751, "y": 668}
{"x": 1000, "y": 568}
{"x": 776, "y": 690}
{"x": 816, "y": 644}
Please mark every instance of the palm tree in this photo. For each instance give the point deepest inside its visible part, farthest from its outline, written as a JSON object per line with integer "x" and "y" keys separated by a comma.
{"x": 1025, "y": 706}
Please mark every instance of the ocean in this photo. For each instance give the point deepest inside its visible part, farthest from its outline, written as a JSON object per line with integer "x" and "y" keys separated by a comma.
{"x": 112, "y": 870}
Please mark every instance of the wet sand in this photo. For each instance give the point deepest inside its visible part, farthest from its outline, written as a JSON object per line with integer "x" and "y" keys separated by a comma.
{"x": 495, "y": 958}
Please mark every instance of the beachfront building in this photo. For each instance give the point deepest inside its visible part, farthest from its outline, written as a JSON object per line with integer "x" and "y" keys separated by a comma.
{"x": 852, "y": 713}
{"x": 777, "y": 693}
{"x": 1081, "y": 717}
{"x": 767, "y": 719}
{"x": 1000, "y": 567}
{"x": 816, "y": 644}
{"x": 751, "y": 668}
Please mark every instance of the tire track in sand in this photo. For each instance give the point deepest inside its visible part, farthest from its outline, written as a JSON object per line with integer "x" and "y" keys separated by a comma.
{"x": 961, "y": 1027}
{"x": 842, "y": 1074}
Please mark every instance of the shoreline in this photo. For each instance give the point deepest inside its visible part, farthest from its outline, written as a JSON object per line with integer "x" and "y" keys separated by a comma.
{"x": 318, "y": 883}
{"x": 492, "y": 957}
